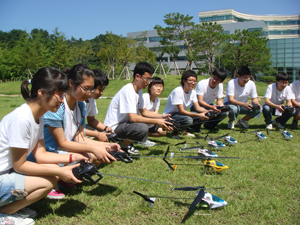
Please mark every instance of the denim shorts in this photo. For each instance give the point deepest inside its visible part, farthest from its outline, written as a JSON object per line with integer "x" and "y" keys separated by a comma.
{"x": 8, "y": 183}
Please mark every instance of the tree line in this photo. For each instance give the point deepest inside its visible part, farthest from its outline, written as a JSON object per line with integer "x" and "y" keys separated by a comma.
{"x": 205, "y": 44}
{"x": 22, "y": 53}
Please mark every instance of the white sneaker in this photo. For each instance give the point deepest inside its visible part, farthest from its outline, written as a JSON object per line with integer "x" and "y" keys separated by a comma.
{"x": 26, "y": 213}
{"x": 132, "y": 150}
{"x": 243, "y": 124}
{"x": 269, "y": 126}
{"x": 187, "y": 134}
{"x": 279, "y": 125}
{"x": 231, "y": 125}
{"x": 148, "y": 143}
{"x": 14, "y": 219}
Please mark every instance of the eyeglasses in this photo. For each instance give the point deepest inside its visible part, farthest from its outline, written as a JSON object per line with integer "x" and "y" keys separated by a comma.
{"x": 86, "y": 90}
{"x": 61, "y": 96}
{"x": 245, "y": 78}
{"x": 158, "y": 85}
{"x": 191, "y": 81}
{"x": 216, "y": 79}
{"x": 147, "y": 79}
{"x": 284, "y": 82}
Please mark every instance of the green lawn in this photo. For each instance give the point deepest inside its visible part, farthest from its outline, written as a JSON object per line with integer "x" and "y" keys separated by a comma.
{"x": 268, "y": 175}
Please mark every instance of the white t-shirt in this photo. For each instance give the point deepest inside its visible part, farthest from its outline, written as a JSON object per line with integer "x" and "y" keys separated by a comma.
{"x": 179, "y": 97}
{"x": 91, "y": 108}
{"x": 239, "y": 93}
{"x": 209, "y": 94}
{"x": 124, "y": 102}
{"x": 278, "y": 97}
{"x": 18, "y": 129}
{"x": 148, "y": 104}
{"x": 295, "y": 87}
{"x": 73, "y": 119}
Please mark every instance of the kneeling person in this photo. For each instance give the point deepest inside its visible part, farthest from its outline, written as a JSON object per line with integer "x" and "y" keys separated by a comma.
{"x": 274, "y": 98}
{"x": 209, "y": 90}
{"x": 237, "y": 94}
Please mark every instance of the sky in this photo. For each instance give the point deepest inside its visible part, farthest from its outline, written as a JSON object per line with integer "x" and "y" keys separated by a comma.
{"x": 90, "y": 18}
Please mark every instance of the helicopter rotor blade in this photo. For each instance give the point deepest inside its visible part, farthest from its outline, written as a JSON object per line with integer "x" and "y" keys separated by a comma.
{"x": 143, "y": 196}
{"x": 188, "y": 188}
{"x": 197, "y": 199}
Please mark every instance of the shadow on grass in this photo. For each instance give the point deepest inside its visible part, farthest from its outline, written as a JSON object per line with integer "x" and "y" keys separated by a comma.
{"x": 102, "y": 189}
{"x": 43, "y": 207}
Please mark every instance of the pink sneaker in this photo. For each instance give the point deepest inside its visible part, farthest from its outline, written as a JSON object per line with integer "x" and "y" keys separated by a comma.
{"x": 66, "y": 185}
{"x": 56, "y": 194}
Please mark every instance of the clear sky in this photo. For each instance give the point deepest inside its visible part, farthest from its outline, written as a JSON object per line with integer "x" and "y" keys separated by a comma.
{"x": 89, "y": 18}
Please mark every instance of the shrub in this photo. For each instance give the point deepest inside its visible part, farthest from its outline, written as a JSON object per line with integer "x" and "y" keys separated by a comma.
{"x": 268, "y": 79}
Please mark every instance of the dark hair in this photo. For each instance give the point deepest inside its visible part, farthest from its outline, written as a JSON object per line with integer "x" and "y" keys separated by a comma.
{"x": 186, "y": 74}
{"x": 48, "y": 79}
{"x": 282, "y": 76}
{"x": 220, "y": 73}
{"x": 77, "y": 72}
{"x": 66, "y": 70}
{"x": 243, "y": 70}
{"x": 141, "y": 68}
{"x": 100, "y": 78}
{"x": 155, "y": 80}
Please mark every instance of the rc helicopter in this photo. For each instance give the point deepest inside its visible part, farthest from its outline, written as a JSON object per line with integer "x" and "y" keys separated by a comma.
{"x": 206, "y": 156}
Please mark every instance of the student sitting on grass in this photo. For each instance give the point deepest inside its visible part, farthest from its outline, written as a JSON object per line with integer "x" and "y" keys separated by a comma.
{"x": 180, "y": 99}
{"x": 209, "y": 90}
{"x": 237, "y": 94}
{"x": 274, "y": 98}
{"x": 21, "y": 132}
{"x": 295, "y": 87}
{"x": 152, "y": 103}
{"x": 94, "y": 126}
{"x": 122, "y": 112}
{"x": 64, "y": 130}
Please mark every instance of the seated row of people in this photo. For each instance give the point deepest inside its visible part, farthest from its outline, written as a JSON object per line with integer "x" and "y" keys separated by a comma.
{"x": 50, "y": 130}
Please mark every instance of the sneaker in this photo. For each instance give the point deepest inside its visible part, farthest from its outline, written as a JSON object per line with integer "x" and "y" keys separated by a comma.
{"x": 187, "y": 134}
{"x": 148, "y": 143}
{"x": 56, "y": 194}
{"x": 66, "y": 185}
{"x": 26, "y": 213}
{"x": 231, "y": 124}
{"x": 295, "y": 124}
{"x": 269, "y": 126}
{"x": 15, "y": 219}
{"x": 279, "y": 125}
{"x": 243, "y": 124}
{"x": 132, "y": 150}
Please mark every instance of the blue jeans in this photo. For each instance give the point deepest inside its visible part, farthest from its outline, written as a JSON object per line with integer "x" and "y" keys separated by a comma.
{"x": 187, "y": 121}
{"x": 213, "y": 122}
{"x": 235, "y": 110}
{"x": 269, "y": 111}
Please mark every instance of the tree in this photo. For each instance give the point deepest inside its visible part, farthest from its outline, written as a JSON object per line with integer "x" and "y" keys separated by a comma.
{"x": 246, "y": 48}
{"x": 207, "y": 40}
{"x": 59, "y": 57}
{"x": 179, "y": 29}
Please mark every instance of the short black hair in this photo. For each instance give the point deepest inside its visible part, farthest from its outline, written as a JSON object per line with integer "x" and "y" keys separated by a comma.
{"x": 220, "y": 73}
{"x": 282, "y": 76}
{"x": 243, "y": 70}
{"x": 77, "y": 72}
{"x": 155, "y": 80}
{"x": 186, "y": 74}
{"x": 141, "y": 68}
{"x": 100, "y": 78}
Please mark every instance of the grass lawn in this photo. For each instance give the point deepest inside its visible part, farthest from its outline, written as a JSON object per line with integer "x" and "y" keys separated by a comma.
{"x": 267, "y": 179}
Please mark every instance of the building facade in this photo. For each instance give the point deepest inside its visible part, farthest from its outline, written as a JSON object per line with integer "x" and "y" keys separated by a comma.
{"x": 283, "y": 33}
